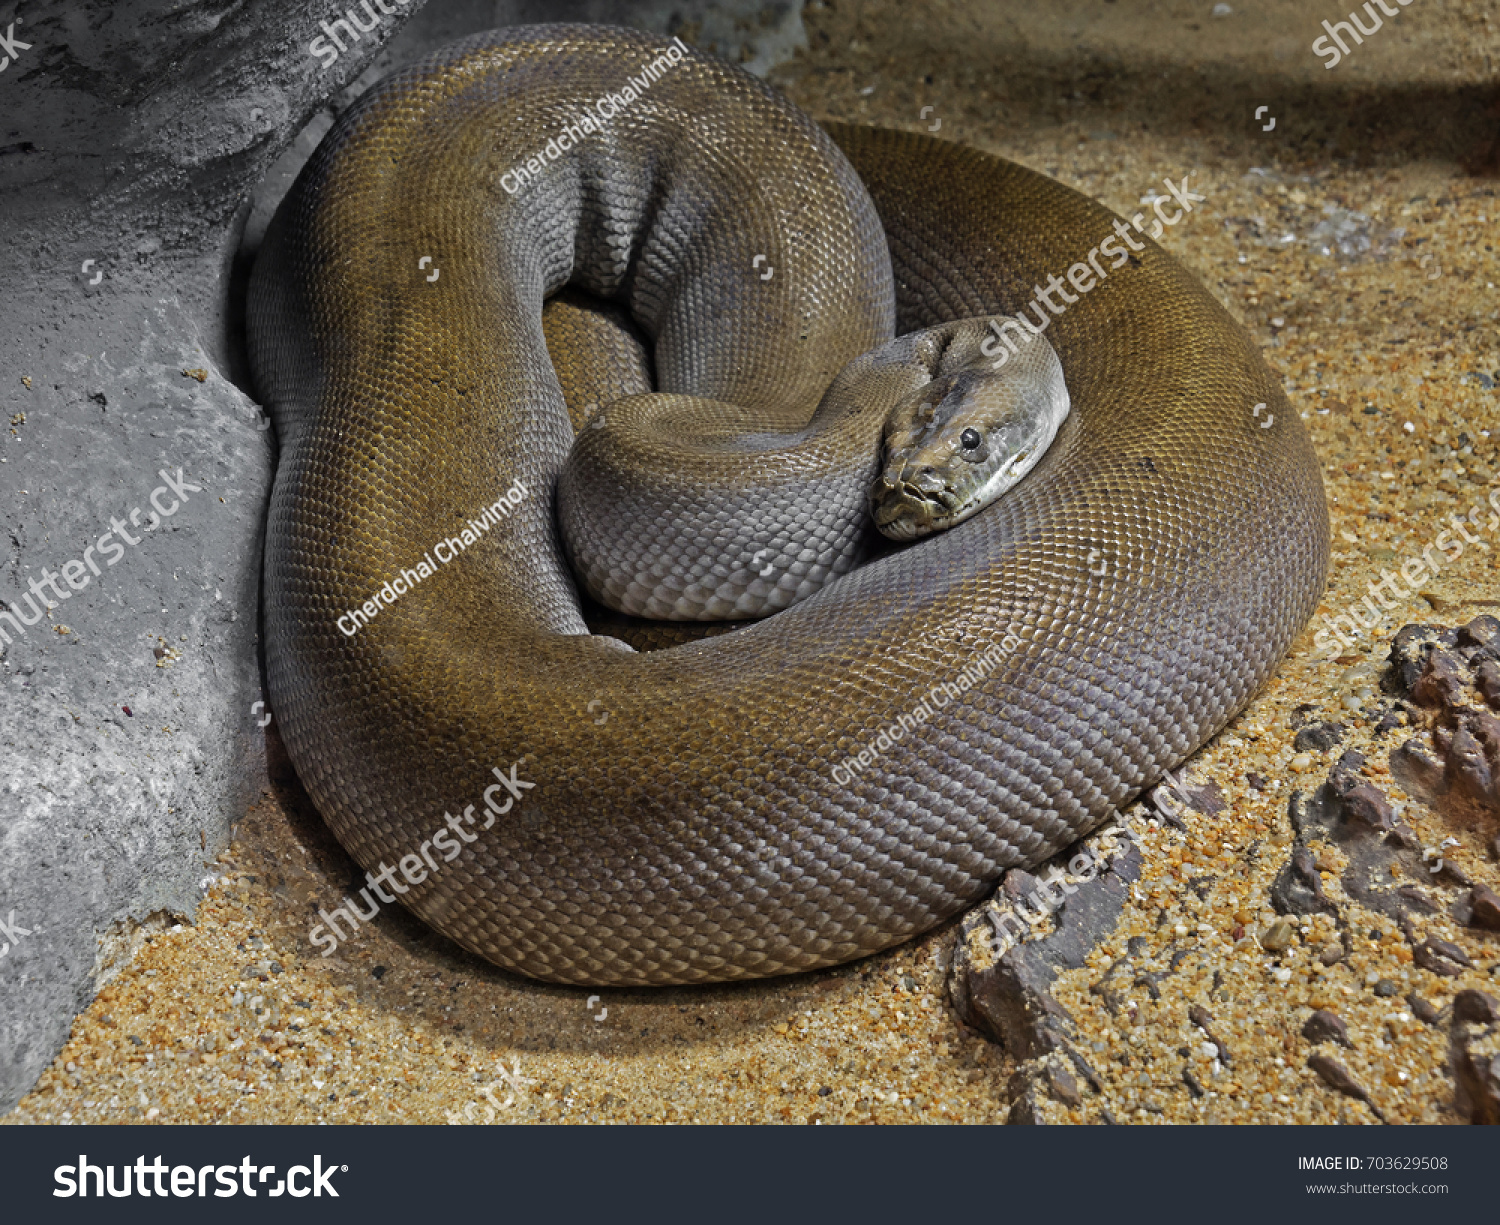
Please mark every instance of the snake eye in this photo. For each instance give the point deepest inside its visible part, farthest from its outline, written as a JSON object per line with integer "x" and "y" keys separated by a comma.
{"x": 969, "y": 439}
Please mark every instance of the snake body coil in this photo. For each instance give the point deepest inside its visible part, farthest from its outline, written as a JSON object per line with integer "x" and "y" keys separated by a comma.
{"x": 1153, "y": 568}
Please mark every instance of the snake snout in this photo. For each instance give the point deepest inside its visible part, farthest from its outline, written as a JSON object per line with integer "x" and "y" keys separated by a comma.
{"x": 909, "y": 500}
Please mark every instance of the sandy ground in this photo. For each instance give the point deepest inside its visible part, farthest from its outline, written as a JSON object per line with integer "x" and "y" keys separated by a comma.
{"x": 1354, "y": 244}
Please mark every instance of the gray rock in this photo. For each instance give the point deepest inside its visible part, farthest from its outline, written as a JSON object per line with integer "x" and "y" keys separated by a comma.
{"x": 135, "y": 467}
{"x": 130, "y": 735}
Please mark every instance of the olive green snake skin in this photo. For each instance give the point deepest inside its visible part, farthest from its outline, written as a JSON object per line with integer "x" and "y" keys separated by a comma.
{"x": 684, "y": 821}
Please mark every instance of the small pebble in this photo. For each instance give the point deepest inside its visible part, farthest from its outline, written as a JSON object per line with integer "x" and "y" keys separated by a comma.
{"x": 1278, "y": 937}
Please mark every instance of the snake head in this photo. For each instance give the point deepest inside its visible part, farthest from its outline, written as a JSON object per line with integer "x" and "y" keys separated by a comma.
{"x": 955, "y": 445}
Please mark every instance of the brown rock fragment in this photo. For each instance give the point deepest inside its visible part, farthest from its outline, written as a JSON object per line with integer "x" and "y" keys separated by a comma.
{"x": 1442, "y": 682}
{"x": 1484, "y": 908}
{"x": 1424, "y": 1011}
{"x": 1410, "y": 651}
{"x": 1478, "y": 1084}
{"x": 1318, "y": 737}
{"x": 1203, "y": 1019}
{"x": 1298, "y": 887}
{"x": 1325, "y": 1026}
{"x": 1474, "y": 1053}
{"x": 1336, "y": 1076}
{"x": 1366, "y": 804}
{"x": 1418, "y": 899}
{"x": 1441, "y": 957}
{"x": 1488, "y": 678}
{"x": 1032, "y": 1084}
{"x": 1468, "y": 770}
{"x": 1416, "y": 769}
{"x": 1476, "y": 1008}
{"x": 1360, "y": 799}
{"x": 1483, "y": 631}
{"x": 1064, "y": 1087}
{"x": 1018, "y": 884}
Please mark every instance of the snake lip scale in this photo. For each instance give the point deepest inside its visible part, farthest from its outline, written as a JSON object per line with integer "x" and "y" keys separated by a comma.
{"x": 1153, "y": 567}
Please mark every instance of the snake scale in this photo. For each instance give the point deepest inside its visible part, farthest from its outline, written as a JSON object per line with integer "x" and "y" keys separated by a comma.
{"x": 676, "y": 814}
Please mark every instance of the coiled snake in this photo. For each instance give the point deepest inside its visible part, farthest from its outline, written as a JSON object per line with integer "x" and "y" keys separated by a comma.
{"x": 685, "y": 819}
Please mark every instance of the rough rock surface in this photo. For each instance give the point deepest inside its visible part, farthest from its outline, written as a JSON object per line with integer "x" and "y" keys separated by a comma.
{"x": 1475, "y": 1047}
{"x": 129, "y": 743}
{"x": 1002, "y": 971}
{"x": 1354, "y": 860}
{"x": 1449, "y": 674}
{"x": 131, "y": 731}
